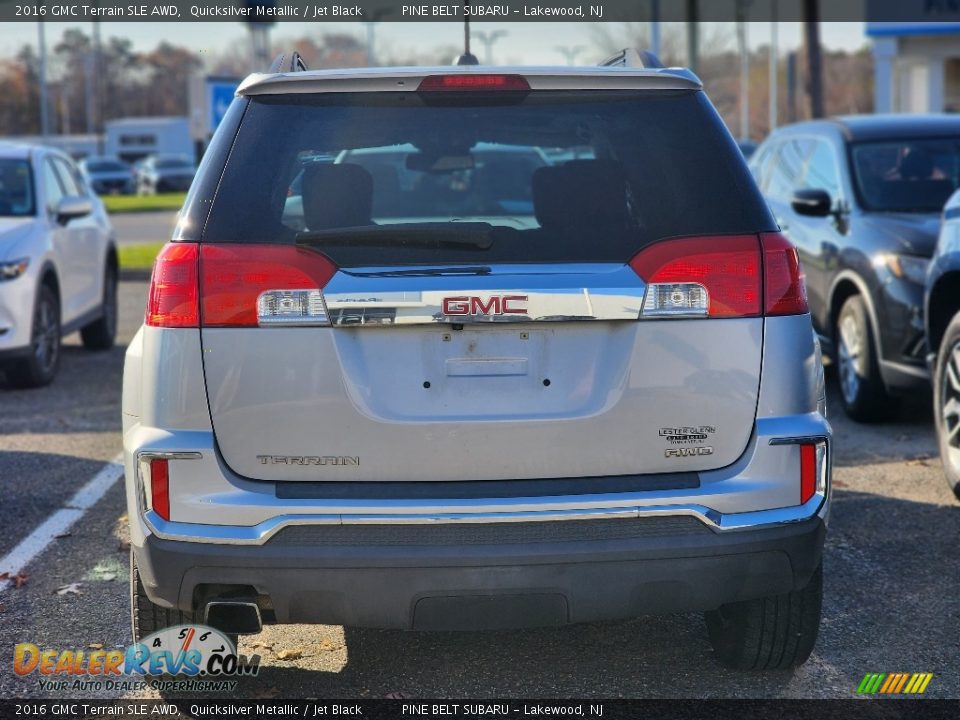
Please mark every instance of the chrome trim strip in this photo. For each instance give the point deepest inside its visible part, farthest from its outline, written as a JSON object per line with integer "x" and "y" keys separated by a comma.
{"x": 805, "y": 440}
{"x": 424, "y": 295}
{"x": 261, "y": 533}
{"x": 140, "y": 487}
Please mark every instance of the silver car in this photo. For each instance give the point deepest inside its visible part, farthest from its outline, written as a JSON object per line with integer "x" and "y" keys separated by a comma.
{"x": 458, "y": 393}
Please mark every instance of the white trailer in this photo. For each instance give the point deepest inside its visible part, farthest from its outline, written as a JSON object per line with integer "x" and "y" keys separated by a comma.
{"x": 131, "y": 139}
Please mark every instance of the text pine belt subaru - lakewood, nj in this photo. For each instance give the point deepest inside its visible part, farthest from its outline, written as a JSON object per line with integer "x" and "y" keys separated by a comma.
{"x": 458, "y": 347}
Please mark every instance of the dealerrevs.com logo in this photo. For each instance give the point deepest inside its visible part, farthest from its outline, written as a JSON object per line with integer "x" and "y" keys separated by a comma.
{"x": 184, "y": 657}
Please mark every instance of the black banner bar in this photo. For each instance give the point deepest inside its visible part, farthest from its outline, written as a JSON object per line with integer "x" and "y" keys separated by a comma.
{"x": 327, "y": 11}
{"x": 206, "y": 708}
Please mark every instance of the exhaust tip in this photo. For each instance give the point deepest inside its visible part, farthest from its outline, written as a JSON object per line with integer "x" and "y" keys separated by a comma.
{"x": 236, "y": 617}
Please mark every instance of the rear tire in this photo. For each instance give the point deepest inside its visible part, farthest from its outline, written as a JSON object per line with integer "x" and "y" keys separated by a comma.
{"x": 862, "y": 391}
{"x": 946, "y": 400}
{"x": 100, "y": 334}
{"x": 770, "y": 633}
{"x": 146, "y": 617}
{"x": 40, "y": 367}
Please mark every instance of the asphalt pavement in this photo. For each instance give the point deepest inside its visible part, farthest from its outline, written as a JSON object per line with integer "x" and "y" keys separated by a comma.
{"x": 892, "y": 590}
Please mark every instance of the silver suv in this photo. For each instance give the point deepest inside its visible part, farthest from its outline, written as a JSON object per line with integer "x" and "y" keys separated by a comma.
{"x": 472, "y": 390}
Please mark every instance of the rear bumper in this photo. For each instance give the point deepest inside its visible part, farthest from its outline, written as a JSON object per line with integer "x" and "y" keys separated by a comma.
{"x": 414, "y": 577}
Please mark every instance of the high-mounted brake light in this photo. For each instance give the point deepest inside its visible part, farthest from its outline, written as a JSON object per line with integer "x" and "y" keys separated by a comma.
{"x": 701, "y": 276}
{"x": 160, "y": 487}
{"x": 784, "y": 292}
{"x": 172, "y": 301}
{"x": 473, "y": 81}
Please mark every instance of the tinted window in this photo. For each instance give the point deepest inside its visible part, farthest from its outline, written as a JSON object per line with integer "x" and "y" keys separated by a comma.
{"x": 787, "y": 169}
{"x": 629, "y": 168}
{"x": 68, "y": 177}
{"x": 16, "y": 188}
{"x": 906, "y": 175}
{"x": 52, "y": 188}
{"x": 822, "y": 173}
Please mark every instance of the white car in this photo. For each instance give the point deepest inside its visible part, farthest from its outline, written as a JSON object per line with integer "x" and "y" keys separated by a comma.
{"x": 58, "y": 263}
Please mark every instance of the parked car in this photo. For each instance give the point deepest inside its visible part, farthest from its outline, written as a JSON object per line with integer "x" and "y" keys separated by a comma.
{"x": 58, "y": 263}
{"x": 747, "y": 147}
{"x": 108, "y": 175}
{"x": 165, "y": 173}
{"x": 861, "y": 198}
{"x": 942, "y": 303}
{"x": 598, "y": 399}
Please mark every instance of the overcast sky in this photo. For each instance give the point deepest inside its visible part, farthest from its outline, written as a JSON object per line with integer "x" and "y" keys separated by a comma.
{"x": 525, "y": 43}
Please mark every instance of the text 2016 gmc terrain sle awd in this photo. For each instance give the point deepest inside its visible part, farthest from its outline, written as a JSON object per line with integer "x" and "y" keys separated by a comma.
{"x": 442, "y": 348}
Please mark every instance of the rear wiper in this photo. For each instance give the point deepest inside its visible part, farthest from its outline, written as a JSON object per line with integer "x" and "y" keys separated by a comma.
{"x": 460, "y": 235}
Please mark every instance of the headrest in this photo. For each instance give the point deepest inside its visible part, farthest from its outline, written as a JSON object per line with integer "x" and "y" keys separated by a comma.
{"x": 581, "y": 193}
{"x": 336, "y": 196}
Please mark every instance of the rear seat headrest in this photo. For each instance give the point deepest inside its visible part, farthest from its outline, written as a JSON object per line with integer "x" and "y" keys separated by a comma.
{"x": 579, "y": 193}
{"x": 336, "y": 196}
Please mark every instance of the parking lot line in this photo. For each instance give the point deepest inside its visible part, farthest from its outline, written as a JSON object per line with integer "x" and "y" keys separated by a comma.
{"x": 61, "y": 521}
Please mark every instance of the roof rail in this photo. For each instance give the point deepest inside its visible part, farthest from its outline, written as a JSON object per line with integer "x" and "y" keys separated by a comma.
{"x": 633, "y": 58}
{"x": 296, "y": 63}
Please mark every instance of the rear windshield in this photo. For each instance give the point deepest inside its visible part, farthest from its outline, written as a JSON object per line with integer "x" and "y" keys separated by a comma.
{"x": 391, "y": 178}
{"x": 907, "y": 175}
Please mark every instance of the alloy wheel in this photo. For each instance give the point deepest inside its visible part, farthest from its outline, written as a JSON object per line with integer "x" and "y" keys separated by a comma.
{"x": 950, "y": 405}
{"x": 46, "y": 336}
{"x": 849, "y": 351}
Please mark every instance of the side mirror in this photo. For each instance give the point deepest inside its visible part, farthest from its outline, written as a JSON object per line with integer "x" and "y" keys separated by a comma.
{"x": 811, "y": 202}
{"x": 73, "y": 206}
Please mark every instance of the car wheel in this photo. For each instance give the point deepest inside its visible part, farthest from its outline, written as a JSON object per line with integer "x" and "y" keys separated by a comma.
{"x": 862, "y": 391}
{"x": 100, "y": 334}
{"x": 946, "y": 383}
{"x": 40, "y": 367}
{"x": 770, "y": 633}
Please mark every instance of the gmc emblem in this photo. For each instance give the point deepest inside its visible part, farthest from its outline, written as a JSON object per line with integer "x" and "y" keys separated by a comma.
{"x": 493, "y": 305}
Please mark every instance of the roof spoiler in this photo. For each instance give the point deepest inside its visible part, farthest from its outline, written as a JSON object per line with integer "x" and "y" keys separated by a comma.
{"x": 633, "y": 58}
{"x": 296, "y": 63}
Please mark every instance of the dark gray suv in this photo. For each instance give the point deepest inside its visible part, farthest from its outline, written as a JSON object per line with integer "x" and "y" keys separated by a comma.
{"x": 861, "y": 199}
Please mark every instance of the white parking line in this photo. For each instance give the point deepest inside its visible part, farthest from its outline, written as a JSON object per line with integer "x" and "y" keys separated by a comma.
{"x": 61, "y": 521}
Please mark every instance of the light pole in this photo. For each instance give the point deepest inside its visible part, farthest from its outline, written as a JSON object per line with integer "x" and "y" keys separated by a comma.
{"x": 655, "y": 27}
{"x": 371, "y": 34}
{"x": 42, "y": 72}
{"x": 488, "y": 40}
{"x": 774, "y": 67}
{"x": 744, "y": 68}
{"x": 569, "y": 52}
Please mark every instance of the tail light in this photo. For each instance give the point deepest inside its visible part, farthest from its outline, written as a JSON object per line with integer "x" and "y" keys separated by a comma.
{"x": 160, "y": 487}
{"x": 237, "y": 285}
{"x": 784, "y": 292}
{"x": 240, "y": 285}
{"x": 701, "y": 276}
{"x": 173, "y": 301}
{"x": 474, "y": 82}
{"x": 721, "y": 276}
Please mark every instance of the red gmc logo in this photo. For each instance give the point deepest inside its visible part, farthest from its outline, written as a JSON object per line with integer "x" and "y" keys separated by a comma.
{"x": 493, "y": 305}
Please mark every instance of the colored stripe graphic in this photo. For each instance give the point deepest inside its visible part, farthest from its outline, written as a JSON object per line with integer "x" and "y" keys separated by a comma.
{"x": 894, "y": 683}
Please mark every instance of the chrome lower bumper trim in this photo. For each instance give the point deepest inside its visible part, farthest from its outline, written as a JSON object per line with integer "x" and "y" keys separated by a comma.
{"x": 261, "y": 533}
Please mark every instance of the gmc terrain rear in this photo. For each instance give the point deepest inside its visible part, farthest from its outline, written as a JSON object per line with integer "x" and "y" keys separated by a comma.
{"x": 449, "y": 348}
